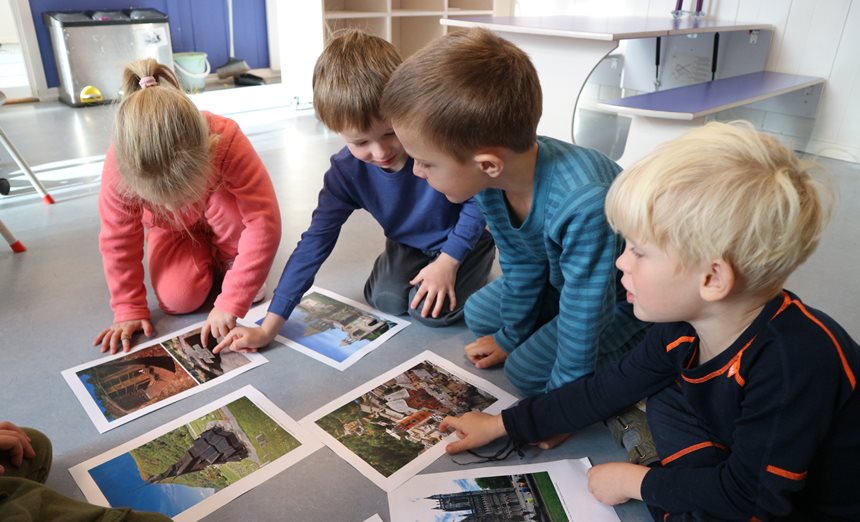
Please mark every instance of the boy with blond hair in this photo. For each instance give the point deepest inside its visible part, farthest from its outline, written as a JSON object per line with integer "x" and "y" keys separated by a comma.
{"x": 753, "y": 402}
{"x": 466, "y": 107}
{"x": 436, "y": 254}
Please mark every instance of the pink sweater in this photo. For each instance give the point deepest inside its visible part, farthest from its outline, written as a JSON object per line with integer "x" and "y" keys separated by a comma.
{"x": 241, "y": 182}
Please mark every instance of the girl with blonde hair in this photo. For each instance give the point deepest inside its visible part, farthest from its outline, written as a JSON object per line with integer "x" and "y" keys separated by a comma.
{"x": 190, "y": 186}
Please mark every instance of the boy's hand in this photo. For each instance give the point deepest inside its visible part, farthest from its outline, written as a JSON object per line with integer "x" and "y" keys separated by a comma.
{"x": 475, "y": 429}
{"x": 616, "y": 482}
{"x": 437, "y": 282}
{"x": 16, "y": 443}
{"x": 218, "y": 324}
{"x": 553, "y": 441}
{"x": 243, "y": 339}
{"x": 484, "y": 352}
{"x": 119, "y": 334}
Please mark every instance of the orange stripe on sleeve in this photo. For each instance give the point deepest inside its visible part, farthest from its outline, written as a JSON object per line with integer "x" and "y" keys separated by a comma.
{"x": 691, "y": 449}
{"x": 845, "y": 365}
{"x": 785, "y": 473}
{"x": 679, "y": 341}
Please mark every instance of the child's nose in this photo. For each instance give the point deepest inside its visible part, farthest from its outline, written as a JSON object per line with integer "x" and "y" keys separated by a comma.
{"x": 620, "y": 261}
{"x": 379, "y": 151}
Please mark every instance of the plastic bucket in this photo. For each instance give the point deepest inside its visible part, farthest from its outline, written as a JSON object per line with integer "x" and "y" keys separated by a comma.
{"x": 192, "y": 69}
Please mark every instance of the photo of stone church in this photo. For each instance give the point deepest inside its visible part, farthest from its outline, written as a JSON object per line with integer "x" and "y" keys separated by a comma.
{"x": 127, "y": 384}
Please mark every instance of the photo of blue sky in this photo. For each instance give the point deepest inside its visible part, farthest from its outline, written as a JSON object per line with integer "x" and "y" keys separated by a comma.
{"x": 326, "y": 343}
{"x": 120, "y": 482}
{"x": 85, "y": 379}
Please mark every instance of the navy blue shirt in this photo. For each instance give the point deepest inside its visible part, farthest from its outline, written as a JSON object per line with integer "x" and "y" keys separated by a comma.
{"x": 781, "y": 399}
{"x": 410, "y": 211}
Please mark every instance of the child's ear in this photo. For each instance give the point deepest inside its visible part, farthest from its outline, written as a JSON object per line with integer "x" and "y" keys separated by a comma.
{"x": 490, "y": 163}
{"x": 718, "y": 281}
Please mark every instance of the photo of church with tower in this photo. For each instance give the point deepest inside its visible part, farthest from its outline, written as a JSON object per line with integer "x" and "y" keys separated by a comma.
{"x": 513, "y": 498}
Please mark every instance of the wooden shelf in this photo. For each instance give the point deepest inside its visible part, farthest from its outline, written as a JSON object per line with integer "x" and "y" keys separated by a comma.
{"x": 374, "y": 6}
{"x": 408, "y": 24}
{"x": 410, "y": 33}
{"x": 377, "y": 25}
{"x": 410, "y": 12}
{"x": 471, "y": 5}
{"x": 331, "y": 15}
{"x": 418, "y": 5}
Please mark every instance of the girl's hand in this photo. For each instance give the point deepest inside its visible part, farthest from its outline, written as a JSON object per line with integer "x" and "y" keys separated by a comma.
{"x": 437, "y": 282}
{"x": 119, "y": 334}
{"x": 218, "y": 324}
{"x": 484, "y": 352}
{"x": 616, "y": 482}
{"x": 475, "y": 429}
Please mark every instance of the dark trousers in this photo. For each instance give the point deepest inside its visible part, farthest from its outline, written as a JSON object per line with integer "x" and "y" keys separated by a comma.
{"x": 388, "y": 289}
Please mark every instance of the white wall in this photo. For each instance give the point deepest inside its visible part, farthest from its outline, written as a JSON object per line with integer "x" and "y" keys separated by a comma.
{"x": 301, "y": 41}
{"x": 812, "y": 37}
{"x": 8, "y": 32}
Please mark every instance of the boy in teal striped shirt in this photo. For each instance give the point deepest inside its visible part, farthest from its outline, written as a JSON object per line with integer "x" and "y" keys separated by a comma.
{"x": 466, "y": 108}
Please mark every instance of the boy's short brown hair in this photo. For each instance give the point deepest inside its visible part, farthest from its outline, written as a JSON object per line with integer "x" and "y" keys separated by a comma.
{"x": 349, "y": 77}
{"x": 465, "y": 91}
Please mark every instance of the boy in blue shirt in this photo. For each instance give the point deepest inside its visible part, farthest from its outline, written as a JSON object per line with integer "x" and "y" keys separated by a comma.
{"x": 466, "y": 107}
{"x": 436, "y": 254}
{"x": 752, "y": 394}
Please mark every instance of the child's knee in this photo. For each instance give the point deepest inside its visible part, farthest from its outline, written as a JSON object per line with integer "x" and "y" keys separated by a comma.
{"x": 528, "y": 386}
{"x": 391, "y": 303}
{"x": 387, "y": 295}
{"x": 446, "y": 318}
{"x": 478, "y": 319}
{"x": 183, "y": 297}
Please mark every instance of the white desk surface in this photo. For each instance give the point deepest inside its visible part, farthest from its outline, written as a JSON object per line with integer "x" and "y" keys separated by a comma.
{"x": 601, "y": 28}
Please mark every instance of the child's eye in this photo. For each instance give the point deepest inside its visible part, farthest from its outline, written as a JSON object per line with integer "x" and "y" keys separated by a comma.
{"x": 633, "y": 250}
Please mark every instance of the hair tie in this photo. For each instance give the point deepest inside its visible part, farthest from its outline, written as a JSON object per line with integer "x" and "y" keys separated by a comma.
{"x": 147, "y": 81}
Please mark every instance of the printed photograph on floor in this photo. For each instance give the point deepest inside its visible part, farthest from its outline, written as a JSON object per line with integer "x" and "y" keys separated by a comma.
{"x": 545, "y": 492}
{"x": 201, "y": 362}
{"x": 198, "y": 459}
{"x": 119, "y": 388}
{"x": 331, "y": 328}
{"x": 139, "y": 379}
{"x": 389, "y": 425}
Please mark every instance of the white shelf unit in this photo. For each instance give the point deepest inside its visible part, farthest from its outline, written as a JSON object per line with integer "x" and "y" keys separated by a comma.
{"x": 408, "y": 24}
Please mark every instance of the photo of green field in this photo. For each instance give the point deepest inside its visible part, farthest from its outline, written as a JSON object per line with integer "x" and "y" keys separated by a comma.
{"x": 182, "y": 467}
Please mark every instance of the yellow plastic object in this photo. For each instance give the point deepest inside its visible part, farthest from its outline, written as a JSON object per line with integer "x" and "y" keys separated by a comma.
{"x": 90, "y": 94}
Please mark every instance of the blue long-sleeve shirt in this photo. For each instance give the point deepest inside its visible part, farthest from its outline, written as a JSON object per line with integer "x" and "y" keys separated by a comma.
{"x": 566, "y": 242}
{"x": 782, "y": 400}
{"x": 409, "y": 210}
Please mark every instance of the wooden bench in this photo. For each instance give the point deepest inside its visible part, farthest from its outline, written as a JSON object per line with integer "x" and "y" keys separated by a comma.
{"x": 662, "y": 115}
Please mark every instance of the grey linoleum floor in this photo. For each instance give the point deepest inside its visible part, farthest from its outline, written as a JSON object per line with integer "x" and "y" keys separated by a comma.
{"x": 53, "y": 301}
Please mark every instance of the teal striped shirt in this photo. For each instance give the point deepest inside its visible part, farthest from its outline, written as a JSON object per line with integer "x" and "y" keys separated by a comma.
{"x": 566, "y": 242}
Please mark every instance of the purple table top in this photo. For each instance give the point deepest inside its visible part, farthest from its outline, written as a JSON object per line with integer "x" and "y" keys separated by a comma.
{"x": 701, "y": 99}
{"x": 602, "y": 28}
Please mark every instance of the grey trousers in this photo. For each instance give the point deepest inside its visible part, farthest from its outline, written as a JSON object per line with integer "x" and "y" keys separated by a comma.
{"x": 388, "y": 289}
